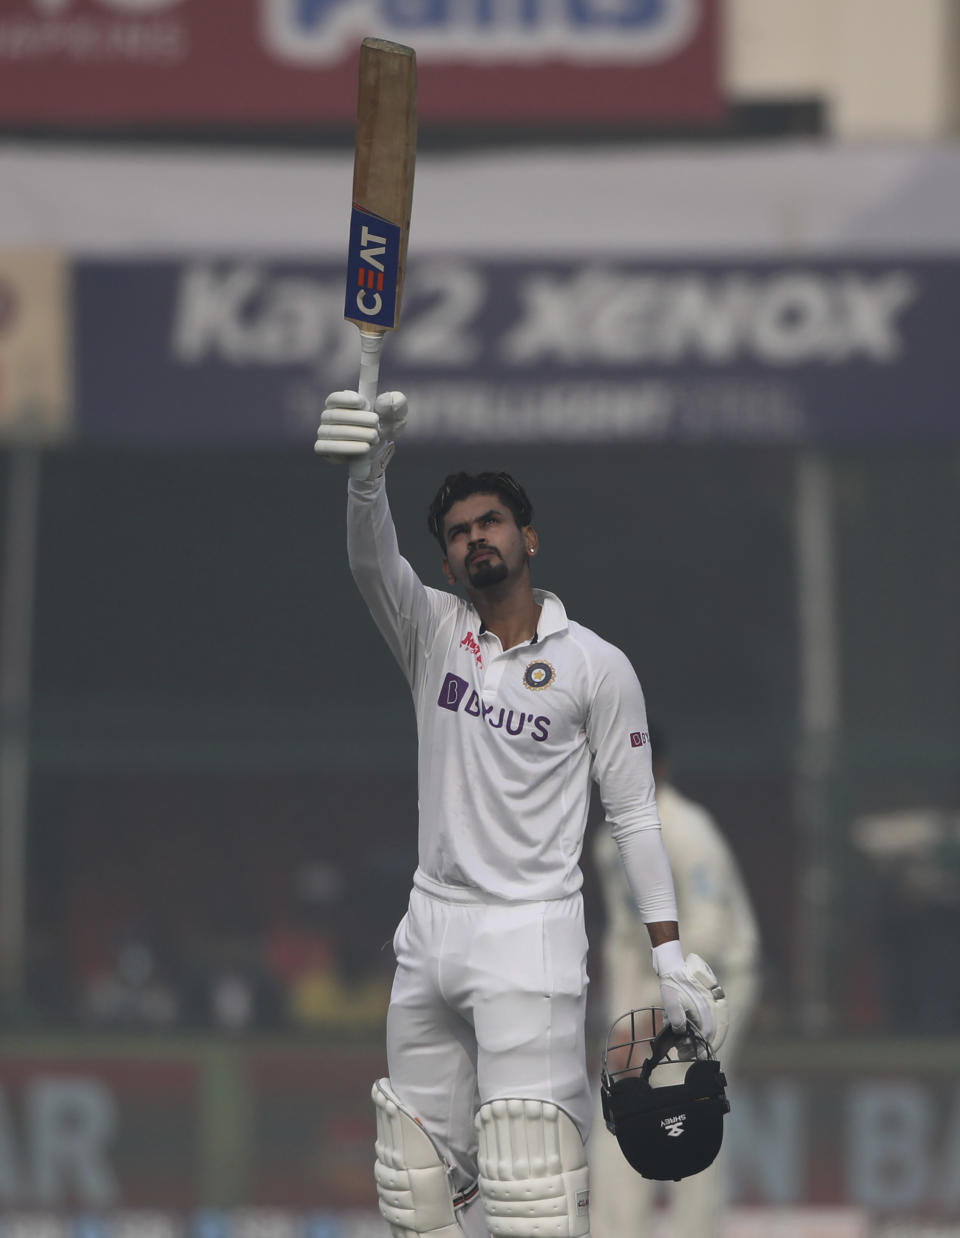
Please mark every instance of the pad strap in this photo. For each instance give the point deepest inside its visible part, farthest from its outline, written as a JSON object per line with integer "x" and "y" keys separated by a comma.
{"x": 534, "y": 1180}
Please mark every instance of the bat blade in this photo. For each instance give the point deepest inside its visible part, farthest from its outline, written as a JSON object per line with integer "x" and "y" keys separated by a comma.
{"x": 385, "y": 156}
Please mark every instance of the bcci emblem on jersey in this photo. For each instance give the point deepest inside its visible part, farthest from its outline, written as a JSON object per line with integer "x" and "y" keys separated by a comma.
{"x": 538, "y": 675}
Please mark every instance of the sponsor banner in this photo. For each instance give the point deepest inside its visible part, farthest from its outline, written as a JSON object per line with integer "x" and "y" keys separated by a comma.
{"x": 35, "y": 363}
{"x": 97, "y": 1135}
{"x": 293, "y": 62}
{"x": 527, "y": 351}
{"x": 292, "y": 1131}
{"x": 315, "y": 1127}
{"x": 204, "y": 1223}
{"x": 788, "y": 1223}
{"x": 271, "y": 1223}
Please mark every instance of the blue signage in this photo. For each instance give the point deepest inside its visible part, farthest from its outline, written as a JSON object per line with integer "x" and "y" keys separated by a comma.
{"x": 631, "y": 350}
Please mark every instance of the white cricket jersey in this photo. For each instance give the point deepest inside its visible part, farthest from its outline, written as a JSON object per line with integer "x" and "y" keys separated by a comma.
{"x": 508, "y": 740}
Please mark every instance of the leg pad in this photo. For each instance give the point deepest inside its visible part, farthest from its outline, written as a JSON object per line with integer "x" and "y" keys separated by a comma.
{"x": 534, "y": 1180}
{"x": 413, "y": 1183}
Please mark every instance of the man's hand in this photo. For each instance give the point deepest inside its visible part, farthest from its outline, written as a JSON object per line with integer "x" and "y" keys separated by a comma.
{"x": 691, "y": 991}
{"x": 350, "y": 431}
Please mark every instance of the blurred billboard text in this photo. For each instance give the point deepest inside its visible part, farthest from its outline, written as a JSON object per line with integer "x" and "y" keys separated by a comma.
{"x": 142, "y": 1131}
{"x": 758, "y": 351}
{"x": 193, "y": 63}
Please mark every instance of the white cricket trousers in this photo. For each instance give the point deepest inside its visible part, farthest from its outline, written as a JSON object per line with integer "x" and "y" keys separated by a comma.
{"x": 488, "y": 1001}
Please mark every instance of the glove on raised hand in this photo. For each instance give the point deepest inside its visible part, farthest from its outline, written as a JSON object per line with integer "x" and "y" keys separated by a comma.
{"x": 366, "y": 439}
{"x": 691, "y": 991}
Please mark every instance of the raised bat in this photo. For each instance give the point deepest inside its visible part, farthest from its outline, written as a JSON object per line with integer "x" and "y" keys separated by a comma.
{"x": 384, "y": 159}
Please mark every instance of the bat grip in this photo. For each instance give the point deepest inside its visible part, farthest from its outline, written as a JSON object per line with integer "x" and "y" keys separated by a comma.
{"x": 371, "y": 345}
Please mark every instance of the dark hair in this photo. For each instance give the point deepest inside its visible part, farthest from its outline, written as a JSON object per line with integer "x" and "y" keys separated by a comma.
{"x": 459, "y": 486}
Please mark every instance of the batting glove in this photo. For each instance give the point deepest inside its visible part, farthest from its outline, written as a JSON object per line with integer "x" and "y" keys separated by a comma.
{"x": 365, "y": 439}
{"x": 691, "y": 991}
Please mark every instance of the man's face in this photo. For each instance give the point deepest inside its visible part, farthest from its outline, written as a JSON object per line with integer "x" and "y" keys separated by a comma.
{"x": 485, "y": 546}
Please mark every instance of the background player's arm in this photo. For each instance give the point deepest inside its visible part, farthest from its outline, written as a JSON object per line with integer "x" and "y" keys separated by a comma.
{"x": 717, "y": 915}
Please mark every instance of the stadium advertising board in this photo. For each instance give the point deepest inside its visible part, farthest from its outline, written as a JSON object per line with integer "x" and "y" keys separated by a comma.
{"x": 78, "y": 1134}
{"x": 243, "y": 1141}
{"x": 35, "y": 362}
{"x": 752, "y": 351}
{"x": 293, "y": 62}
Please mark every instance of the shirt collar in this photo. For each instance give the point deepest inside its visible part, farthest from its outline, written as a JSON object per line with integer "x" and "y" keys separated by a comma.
{"x": 553, "y": 616}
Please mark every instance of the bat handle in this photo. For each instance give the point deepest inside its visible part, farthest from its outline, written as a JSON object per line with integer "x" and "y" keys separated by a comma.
{"x": 371, "y": 345}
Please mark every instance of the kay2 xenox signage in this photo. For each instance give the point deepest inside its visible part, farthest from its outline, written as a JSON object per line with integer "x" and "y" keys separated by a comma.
{"x": 244, "y": 351}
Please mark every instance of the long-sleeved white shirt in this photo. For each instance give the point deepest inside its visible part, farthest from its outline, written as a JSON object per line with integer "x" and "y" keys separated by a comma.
{"x": 509, "y": 739}
{"x": 715, "y": 909}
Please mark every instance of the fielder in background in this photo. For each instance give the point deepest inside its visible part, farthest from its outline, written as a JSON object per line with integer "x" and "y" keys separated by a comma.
{"x": 717, "y": 916}
{"x": 482, "y": 1122}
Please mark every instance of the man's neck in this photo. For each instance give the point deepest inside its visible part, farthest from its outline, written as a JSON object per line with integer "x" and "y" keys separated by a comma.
{"x": 511, "y": 617}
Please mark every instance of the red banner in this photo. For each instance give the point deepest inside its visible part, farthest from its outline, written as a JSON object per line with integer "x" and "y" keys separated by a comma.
{"x": 129, "y": 63}
{"x": 100, "y": 1132}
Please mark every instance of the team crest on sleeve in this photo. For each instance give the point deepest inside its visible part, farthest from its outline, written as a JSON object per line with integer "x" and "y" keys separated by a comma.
{"x": 538, "y": 675}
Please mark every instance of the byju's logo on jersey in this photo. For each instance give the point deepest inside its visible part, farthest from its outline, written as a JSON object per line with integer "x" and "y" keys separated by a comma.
{"x": 638, "y": 739}
{"x": 453, "y": 692}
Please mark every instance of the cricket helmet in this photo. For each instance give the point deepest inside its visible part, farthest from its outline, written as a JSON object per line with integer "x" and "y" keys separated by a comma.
{"x": 663, "y": 1095}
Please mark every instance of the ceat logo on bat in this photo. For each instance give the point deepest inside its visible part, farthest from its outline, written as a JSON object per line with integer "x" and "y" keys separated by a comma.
{"x": 373, "y": 262}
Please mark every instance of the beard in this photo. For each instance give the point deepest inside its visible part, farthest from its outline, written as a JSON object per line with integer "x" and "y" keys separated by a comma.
{"x": 488, "y": 573}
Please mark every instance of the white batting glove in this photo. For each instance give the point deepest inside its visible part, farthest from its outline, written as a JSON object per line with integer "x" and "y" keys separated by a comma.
{"x": 351, "y": 432}
{"x": 691, "y": 991}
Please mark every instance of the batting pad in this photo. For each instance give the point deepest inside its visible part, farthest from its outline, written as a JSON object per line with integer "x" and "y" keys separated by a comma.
{"x": 534, "y": 1180}
{"x": 413, "y": 1184}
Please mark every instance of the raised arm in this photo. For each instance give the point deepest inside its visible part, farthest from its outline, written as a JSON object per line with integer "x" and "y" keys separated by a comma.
{"x": 402, "y": 607}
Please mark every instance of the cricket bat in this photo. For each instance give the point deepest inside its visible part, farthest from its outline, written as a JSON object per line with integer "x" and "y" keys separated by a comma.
{"x": 384, "y": 158}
